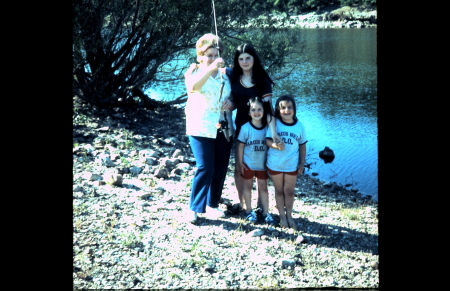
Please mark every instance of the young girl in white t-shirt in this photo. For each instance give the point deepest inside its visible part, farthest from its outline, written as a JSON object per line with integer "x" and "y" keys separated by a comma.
{"x": 283, "y": 166}
{"x": 251, "y": 160}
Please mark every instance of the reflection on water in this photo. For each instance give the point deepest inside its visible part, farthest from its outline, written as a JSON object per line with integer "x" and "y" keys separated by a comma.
{"x": 336, "y": 93}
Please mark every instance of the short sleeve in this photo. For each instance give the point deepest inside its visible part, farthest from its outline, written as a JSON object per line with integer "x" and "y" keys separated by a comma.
{"x": 267, "y": 88}
{"x": 268, "y": 134}
{"x": 243, "y": 134}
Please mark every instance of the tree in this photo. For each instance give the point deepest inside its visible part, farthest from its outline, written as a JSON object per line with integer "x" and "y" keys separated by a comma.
{"x": 119, "y": 46}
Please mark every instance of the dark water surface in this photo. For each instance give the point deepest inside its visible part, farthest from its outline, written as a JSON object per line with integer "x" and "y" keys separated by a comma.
{"x": 336, "y": 93}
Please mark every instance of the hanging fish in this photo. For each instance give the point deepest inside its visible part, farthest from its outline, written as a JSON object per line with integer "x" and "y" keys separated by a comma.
{"x": 225, "y": 120}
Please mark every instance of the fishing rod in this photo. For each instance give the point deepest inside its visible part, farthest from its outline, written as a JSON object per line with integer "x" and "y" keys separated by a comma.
{"x": 217, "y": 36}
{"x": 223, "y": 123}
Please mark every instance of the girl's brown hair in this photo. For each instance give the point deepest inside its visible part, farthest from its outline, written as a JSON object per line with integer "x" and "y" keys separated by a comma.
{"x": 287, "y": 97}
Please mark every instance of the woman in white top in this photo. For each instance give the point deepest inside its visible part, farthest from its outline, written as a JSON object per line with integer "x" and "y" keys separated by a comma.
{"x": 208, "y": 125}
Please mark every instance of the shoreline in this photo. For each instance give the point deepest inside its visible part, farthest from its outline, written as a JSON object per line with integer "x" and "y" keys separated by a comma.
{"x": 132, "y": 170}
{"x": 334, "y": 17}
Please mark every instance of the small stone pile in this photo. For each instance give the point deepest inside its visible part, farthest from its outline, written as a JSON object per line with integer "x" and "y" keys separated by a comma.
{"x": 132, "y": 171}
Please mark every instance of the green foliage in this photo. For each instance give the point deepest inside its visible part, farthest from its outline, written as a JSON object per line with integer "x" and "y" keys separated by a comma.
{"x": 131, "y": 238}
{"x": 119, "y": 46}
{"x": 122, "y": 47}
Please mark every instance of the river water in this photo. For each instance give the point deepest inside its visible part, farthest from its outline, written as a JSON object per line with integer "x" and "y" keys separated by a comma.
{"x": 335, "y": 88}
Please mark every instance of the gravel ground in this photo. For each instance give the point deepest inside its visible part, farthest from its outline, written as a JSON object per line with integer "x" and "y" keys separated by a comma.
{"x": 132, "y": 171}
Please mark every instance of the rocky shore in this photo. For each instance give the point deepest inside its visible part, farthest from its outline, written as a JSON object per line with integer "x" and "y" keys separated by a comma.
{"x": 334, "y": 17}
{"x": 132, "y": 170}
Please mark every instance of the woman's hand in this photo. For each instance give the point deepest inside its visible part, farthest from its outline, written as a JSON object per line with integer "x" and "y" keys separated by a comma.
{"x": 272, "y": 144}
{"x": 227, "y": 105}
{"x": 218, "y": 63}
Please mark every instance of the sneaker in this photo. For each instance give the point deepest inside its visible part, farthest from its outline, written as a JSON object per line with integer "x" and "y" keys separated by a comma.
{"x": 214, "y": 212}
{"x": 259, "y": 214}
{"x": 252, "y": 216}
{"x": 270, "y": 220}
{"x": 235, "y": 208}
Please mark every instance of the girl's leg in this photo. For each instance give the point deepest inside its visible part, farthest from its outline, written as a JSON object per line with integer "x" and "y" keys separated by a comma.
{"x": 259, "y": 196}
{"x": 203, "y": 149}
{"x": 278, "y": 182}
{"x": 263, "y": 195}
{"x": 247, "y": 193}
{"x": 222, "y": 158}
{"x": 289, "y": 186}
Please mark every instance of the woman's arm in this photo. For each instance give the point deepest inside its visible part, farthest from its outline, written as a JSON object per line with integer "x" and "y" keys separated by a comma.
{"x": 272, "y": 124}
{"x": 194, "y": 82}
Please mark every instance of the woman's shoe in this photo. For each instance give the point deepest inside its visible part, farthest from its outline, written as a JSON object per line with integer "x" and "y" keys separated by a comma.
{"x": 192, "y": 217}
{"x": 214, "y": 212}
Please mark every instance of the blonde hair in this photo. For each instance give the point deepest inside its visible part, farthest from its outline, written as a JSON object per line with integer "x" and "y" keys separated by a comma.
{"x": 206, "y": 42}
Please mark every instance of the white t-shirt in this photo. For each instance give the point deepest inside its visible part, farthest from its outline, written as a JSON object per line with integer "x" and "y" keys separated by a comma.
{"x": 255, "y": 148}
{"x": 293, "y": 135}
{"x": 203, "y": 107}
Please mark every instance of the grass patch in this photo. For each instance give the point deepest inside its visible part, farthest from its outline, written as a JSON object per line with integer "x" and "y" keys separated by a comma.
{"x": 351, "y": 213}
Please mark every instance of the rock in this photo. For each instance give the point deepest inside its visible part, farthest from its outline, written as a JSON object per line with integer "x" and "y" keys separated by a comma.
{"x": 287, "y": 263}
{"x": 183, "y": 166}
{"x": 256, "y": 232}
{"x": 113, "y": 179}
{"x": 77, "y": 188}
{"x": 103, "y": 129}
{"x": 161, "y": 173}
{"x": 175, "y": 172}
{"x": 299, "y": 239}
{"x": 171, "y": 141}
{"x": 327, "y": 155}
{"x": 151, "y": 161}
{"x": 168, "y": 162}
{"x": 135, "y": 170}
{"x": 92, "y": 177}
{"x": 177, "y": 153}
{"x": 135, "y": 237}
{"x": 98, "y": 183}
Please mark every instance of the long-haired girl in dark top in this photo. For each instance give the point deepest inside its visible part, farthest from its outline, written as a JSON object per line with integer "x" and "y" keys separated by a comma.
{"x": 249, "y": 79}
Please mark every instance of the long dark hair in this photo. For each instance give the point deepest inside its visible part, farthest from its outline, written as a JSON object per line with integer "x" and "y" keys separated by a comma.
{"x": 287, "y": 97}
{"x": 260, "y": 101}
{"x": 259, "y": 74}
